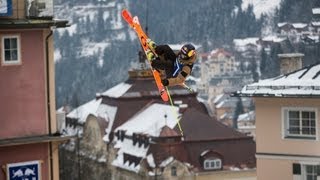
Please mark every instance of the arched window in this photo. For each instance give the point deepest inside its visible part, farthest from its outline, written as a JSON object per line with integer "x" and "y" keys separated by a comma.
{"x": 211, "y": 164}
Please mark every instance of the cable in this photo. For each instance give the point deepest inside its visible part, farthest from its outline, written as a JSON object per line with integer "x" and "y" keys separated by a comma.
{"x": 177, "y": 119}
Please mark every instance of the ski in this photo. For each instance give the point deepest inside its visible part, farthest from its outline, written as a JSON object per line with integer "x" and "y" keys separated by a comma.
{"x": 135, "y": 25}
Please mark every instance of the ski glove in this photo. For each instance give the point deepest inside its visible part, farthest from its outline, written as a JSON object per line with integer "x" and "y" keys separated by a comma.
{"x": 165, "y": 82}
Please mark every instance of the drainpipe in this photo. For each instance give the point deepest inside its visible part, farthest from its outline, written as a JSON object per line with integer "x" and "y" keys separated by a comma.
{"x": 48, "y": 101}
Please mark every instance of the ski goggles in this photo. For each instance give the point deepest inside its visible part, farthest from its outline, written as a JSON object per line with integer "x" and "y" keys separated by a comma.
{"x": 183, "y": 56}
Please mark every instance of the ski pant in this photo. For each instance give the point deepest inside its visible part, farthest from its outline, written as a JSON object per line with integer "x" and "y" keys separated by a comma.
{"x": 167, "y": 66}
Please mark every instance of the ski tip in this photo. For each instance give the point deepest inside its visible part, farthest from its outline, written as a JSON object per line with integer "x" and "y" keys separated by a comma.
{"x": 126, "y": 16}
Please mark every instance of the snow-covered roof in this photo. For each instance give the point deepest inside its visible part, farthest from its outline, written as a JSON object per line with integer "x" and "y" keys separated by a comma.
{"x": 299, "y": 25}
{"x": 273, "y": 39}
{"x": 218, "y": 98}
{"x": 245, "y": 41}
{"x": 84, "y": 110}
{"x": 316, "y": 11}
{"x": 315, "y": 23}
{"x": 96, "y": 108}
{"x": 290, "y": 55}
{"x": 282, "y": 24}
{"x": 304, "y": 82}
{"x": 247, "y": 116}
{"x": 149, "y": 121}
{"x": 117, "y": 90}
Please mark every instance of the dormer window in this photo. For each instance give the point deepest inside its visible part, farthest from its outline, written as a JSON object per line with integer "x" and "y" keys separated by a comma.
{"x": 173, "y": 171}
{"x": 11, "y": 50}
{"x": 212, "y": 164}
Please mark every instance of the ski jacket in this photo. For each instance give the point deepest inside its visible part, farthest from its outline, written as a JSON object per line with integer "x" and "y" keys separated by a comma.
{"x": 178, "y": 69}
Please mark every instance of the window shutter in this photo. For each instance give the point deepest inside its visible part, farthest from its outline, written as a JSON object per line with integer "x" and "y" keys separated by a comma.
{"x": 296, "y": 168}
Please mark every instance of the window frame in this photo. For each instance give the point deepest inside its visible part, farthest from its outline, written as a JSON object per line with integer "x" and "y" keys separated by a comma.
{"x": 286, "y": 123}
{"x": 215, "y": 161}
{"x": 11, "y": 62}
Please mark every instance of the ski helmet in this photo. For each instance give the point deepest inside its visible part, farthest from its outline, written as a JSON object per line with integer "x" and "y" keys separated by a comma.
{"x": 187, "y": 51}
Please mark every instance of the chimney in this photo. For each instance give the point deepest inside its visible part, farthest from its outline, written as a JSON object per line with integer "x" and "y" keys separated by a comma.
{"x": 290, "y": 62}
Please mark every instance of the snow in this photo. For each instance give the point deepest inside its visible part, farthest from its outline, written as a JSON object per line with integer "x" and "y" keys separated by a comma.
{"x": 299, "y": 25}
{"x": 245, "y": 41}
{"x": 71, "y": 30}
{"x": 302, "y": 82}
{"x": 273, "y": 39}
{"x": 315, "y": 23}
{"x": 151, "y": 120}
{"x": 118, "y": 90}
{"x": 92, "y": 48}
{"x": 127, "y": 147}
{"x": 81, "y": 113}
{"x": 150, "y": 161}
{"x": 261, "y": 6}
{"x": 166, "y": 162}
{"x": 316, "y": 11}
{"x": 218, "y": 98}
{"x": 204, "y": 152}
{"x": 246, "y": 116}
{"x": 57, "y": 55}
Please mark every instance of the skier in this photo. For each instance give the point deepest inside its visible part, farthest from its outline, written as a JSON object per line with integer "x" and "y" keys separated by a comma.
{"x": 176, "y": 66}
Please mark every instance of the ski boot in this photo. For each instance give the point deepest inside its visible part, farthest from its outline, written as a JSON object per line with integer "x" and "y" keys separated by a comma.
{"x": 150, "y": 55}
{"x": 151, "y": 44}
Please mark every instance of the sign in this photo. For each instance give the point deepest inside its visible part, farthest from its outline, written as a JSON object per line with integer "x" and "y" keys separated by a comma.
{"x": 5, "y": 7}
{"x": 24, "y": 170}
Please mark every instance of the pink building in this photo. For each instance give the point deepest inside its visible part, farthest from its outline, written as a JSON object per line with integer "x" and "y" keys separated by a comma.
{"x": 29, "y": 137}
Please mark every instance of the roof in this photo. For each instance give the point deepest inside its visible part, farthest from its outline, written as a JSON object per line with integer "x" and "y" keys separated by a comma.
{"x": 316, "y": 11}
{"x": 301, "y": 83}
{"x": 151, "y": 119}
{"x": 198, "y": 126}
{"x": 33, "y": 23}
{"x": 140, "y": 87}
{"x": 141, "y": 117}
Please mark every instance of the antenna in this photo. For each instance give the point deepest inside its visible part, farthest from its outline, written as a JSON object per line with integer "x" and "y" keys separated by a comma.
{"x": 147, "y": 13}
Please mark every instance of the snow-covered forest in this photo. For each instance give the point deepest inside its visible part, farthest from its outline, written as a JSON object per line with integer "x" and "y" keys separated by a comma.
{"x": 95, "y": 52}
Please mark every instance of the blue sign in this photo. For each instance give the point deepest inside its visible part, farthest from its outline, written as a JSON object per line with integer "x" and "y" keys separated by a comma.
{"x": 24, "y": 171}
{"x": 5, "y": 7}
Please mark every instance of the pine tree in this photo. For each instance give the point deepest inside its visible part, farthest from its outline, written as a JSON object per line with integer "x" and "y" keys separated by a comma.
{"x": 239, "y": 110}
{"x": 263, "y": 63}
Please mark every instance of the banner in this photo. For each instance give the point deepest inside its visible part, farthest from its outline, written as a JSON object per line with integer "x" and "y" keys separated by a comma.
{"x": 5, "y": 7}
{"x": 24, "y": 170}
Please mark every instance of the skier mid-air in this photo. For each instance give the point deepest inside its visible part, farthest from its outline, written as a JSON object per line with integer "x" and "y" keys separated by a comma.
{"x": 176, "y": 66}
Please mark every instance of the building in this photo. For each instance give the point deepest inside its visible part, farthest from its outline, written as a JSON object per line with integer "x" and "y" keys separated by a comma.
{"x": 287, "y": 124}
{"x": 29, "y": 137}
{"x": 143, "y": 139}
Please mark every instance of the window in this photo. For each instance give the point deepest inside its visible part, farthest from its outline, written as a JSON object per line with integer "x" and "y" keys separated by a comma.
{"x": 300, "y": 123}
{"x": 173, "y": 171}
{"x": 310, "y": 172}
{"x": 306, "y": 171}
{"x": 10, "y": 50}
{"x": 212, "y": 164}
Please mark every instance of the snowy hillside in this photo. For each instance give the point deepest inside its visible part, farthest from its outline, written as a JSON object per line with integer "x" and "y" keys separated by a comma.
{"x": 261, "y": 6}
